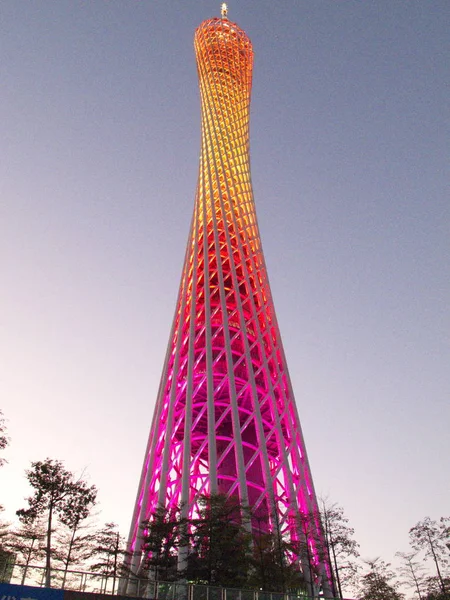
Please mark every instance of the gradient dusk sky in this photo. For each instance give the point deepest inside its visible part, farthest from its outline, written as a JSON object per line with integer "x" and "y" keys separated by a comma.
{"x": 99, "y": 146}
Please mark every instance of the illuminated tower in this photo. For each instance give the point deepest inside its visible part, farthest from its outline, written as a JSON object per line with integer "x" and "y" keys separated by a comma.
{"x": 225, "y": 419}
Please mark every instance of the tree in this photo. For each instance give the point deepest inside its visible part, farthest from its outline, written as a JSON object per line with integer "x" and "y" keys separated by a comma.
{"x": 377, "y": 584}
{"x": 434, "y": 590}
{"x": 73, "y": 549}
{"x": 274, "y": 569}
{"x": 56, "y": 492}
{"x": 4, "y": 439}
{"x": 275, "y": 564}
{"x": 109, "y": 549}
{"x": 342, "y": 548}
{"x": 28, "y": 543}
{"x": 220, "y": 543}
{"x": 412, "y": 572}
{"x": 313, "y": 550}
{"x": 6, "y": 556}
{"x": 4, "y": 532}
{"x": 433, "y": 537}
{"x": 75, "y": 512}
{"x": 164, "y": 533}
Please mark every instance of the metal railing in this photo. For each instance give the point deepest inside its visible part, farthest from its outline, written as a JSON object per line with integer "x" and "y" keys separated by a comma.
{"x": 85, "y": 581}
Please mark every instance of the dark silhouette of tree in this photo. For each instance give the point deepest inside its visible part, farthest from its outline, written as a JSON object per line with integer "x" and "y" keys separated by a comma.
{"x": 276, "y": 565}
{"x": 342, "y": 548}
{"x": 275, "y": 568}
{"x": 55, "y": 492}
{"x": 378, "y": 582}
{"x": 163, "y": 535}
{"x": 4, "y": 531}
{"x": 6, "y": 556}
{"x": 220, "y": 543}
{"x": 4, "y": 439}
{"x": 312, "y": 549}
{"x": 74, "y": 514}
{"x": 28, "y": 543}
{"x": 109, "y": 552}
{"x": 73, "y": 550}
{"x": 434, "y": 538}
{"x": 433, "y": 589}
{"x": 220, "y": 549}
{"x": 412, "y": 572}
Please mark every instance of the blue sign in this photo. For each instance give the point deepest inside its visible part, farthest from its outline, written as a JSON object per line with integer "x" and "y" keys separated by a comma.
{"x": 8, "y": 591}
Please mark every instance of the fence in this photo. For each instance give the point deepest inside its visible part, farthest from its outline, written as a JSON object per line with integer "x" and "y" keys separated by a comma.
{"x": 82, "y": 581}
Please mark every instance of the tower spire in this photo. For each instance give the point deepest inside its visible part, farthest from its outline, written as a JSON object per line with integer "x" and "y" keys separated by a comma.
{"x": 224, "y": 10}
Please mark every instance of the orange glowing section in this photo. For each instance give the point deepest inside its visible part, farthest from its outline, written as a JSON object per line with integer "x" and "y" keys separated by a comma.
{"x": 224, "y": 61}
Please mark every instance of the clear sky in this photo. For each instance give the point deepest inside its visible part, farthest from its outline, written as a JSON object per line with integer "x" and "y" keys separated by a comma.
{"x": 99, "y": 146}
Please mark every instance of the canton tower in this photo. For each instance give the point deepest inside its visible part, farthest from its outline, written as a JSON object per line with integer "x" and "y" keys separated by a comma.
{"x": 225, "y": 419}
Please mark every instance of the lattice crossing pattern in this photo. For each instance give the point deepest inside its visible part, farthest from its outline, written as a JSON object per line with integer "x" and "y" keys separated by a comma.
{"x": 225, "y": 418}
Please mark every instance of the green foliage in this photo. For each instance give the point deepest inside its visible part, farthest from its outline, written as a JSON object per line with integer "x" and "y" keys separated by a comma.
{"x": 217, "y": 548}
{"x": 220, "y": 544}
{"x": 273, "y": 570}
{"x": 377, "y": 583}
{"x": 163, "y": 535}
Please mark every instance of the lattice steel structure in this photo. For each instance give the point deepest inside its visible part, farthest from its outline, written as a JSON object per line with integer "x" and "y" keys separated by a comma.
{"x": 225, "y": 418}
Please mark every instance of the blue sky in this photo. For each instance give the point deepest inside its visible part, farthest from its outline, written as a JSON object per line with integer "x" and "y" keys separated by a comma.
{"x": 99, "y": 146}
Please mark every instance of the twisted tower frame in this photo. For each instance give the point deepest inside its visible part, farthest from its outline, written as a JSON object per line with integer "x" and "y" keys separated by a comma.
{"x": 225, "y": 419}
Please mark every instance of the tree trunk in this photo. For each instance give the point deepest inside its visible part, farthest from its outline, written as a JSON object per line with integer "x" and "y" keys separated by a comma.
{"x": 441, "y": 581}
{"x": 280, "y": 551}
{"x": 330, "y": 544}
{"x": 115, "y": 562}
{"x": 67, "y": 561}
{"x": 48, "y": 550}
{"x": 415, "y": 580}
{"x": 336, "y": 570}
{"x": 27, "y": 562}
